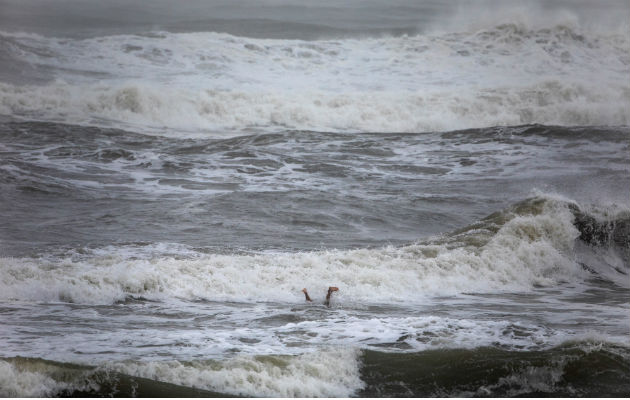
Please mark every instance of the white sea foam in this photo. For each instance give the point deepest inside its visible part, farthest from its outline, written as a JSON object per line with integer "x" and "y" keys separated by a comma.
{"x": 15, "y": 383}
{"x": 425, "y": 332}
{"x": 323, "y": 373}
{"x": 36, "y": 379}
{"x": 162, "y": 109}
{"x": 531, "y": 249}
{"x": 199, "y": 82}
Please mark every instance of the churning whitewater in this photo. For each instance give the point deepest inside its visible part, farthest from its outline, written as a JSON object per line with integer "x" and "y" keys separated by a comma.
{"x": 509, "y": 252}
{"x": 205, "y": 82}
{"x": 172, "y": 175}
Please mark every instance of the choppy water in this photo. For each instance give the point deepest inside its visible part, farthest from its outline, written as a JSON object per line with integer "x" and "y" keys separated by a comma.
{"x": 170, "y": 181}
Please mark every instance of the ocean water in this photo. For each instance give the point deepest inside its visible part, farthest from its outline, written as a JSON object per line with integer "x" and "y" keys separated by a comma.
{"x": 173, "y": 174}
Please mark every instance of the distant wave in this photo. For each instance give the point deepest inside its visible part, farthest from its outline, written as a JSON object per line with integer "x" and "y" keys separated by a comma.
{"x": 163, "y": 110}
{"x": 206, "y": 82}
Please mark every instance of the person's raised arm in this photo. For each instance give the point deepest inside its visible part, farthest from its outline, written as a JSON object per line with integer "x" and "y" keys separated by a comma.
{"x": 331, "y": 289}
{"x": 308, "y": 298}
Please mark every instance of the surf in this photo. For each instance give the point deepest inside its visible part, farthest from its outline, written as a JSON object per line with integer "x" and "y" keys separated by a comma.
{"x": 207, "y": 83}
{"x": 530, "y": 244}
{"x": 365, "y": 373}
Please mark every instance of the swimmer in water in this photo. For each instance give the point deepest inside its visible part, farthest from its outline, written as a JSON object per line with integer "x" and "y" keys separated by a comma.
{"x": 331, "y": 289}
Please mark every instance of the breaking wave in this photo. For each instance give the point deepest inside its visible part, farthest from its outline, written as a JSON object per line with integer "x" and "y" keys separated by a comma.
{"x": 510, "y": 74}
{"x": 528, "y": 245}
{"x": 562, "y": 371}
{"x": 163, "y": 109}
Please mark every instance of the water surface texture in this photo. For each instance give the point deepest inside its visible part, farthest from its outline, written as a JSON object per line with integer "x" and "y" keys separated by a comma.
{"x": 172, "y": 174}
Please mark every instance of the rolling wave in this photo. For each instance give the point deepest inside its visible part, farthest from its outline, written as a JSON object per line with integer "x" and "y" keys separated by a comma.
{"x": 192, "y": 113}
{"x": 508, "y": 74}
{"x": 564, "y": 370}
{"x": 528, "y": 245}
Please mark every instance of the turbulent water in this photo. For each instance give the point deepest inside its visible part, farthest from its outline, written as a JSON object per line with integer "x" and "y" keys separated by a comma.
{"x": 172, "y": 175}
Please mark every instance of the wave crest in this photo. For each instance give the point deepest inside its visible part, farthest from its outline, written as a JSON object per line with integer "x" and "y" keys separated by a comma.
{"x": 509, "y": 74}
{"x": 170, "y": 111}
{"x": 515, "y": 250}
